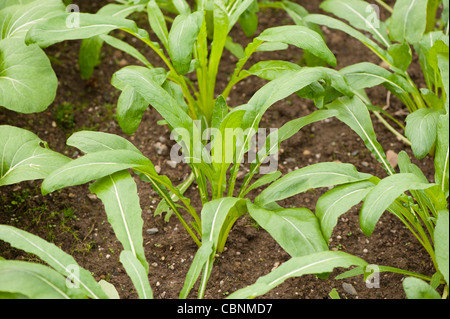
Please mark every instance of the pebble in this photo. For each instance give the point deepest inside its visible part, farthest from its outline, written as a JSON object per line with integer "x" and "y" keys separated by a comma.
{"x": 152, "y": 231}
{"x": 172, "y": 164}
{"x": 365, "y": 164}
{"x": 349, "y": 289}
{"x": 92, "y": 196}
{"x": 306, "y": 152}
{"x": 161, "y": 149}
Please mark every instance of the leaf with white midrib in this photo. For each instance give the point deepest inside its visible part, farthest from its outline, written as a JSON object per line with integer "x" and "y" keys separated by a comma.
{"x": 22, "y": 157}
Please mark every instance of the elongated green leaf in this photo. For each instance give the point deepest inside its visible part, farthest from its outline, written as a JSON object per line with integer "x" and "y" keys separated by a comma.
{"x": 109, "y": 289}
{"x": 333, "y": 23}
{"x": 266, "y": 179}
{"x": 409, "y": 20}
{"x": 148, "y": 84}
{"x": 125, "y": 47}
{"x": 89, "y": 56}
{"x": 73, "y": 26}
{"x": 441, "y": 239}
{"x": 215, "y": 215}
{"x": 314, "y": 176}
{"x": 23, "y": 158}
{"x": 354, "y": 113}
{"x": 281, "y": 88}
{"x": 130, "y": 109}
{"x": 360, "y": 15}
{"x": 27, "y": 81}
{"x": 285, "y": 132}
{"x": 35, "y": 281}
{"x": 401, "y": 55}
{"x": 270, "y": 70}
{"x": 18, "y": 19}
{"x": 365, "y": 75}
{"x": 119, "y": 195}
{"x": 62, "y": 262}
{"x": 421, "y": 130}
{"x": 338, "y": 201}
{"x": 441, "y": 160}
{"x": 248, "y": 20}
{"x": 157, "y": 22}
{"x": 418, "y": 289}
{"x": 182, "y": 36}
{"x": 7, "y": 3}
{"x": 301, "y": 37}
{"x": 137, "y": 273}
{"x": 382, "y": 196}
{"x": 91, "y": 167}
{"x": 91, "y": 142}
{"x": 297, "y": 230}
{"x": 317, "y": 263}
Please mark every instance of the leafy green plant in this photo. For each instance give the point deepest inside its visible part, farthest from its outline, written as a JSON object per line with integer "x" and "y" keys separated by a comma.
{"x": 189, "y": 111}
{"x": 411, "y": 29}
{"x": 27, "y": 81}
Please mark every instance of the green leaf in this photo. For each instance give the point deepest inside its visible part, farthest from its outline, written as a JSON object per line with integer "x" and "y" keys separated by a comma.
{"x": 89, "y": 56}
{"x": 157, "y": 22}
{"x": 216, "y": 215}
{"x": 109, "y": 289}
{"x": 338, "y": 201}
{"x": 62, "y": 262}
{"x": 18, "y": 19}
{"x": 366, "y": 75}
{"x": 441, "y": 159}
{"x": 301, "y": 37}
{"x": 360, "y": 15}
{"x": 7, "y": 3}
{"x": 130, "y": 109}
{"x": 333, "y": 23}
{"x": 91, "y": 142}
{"x": 317, "y": 263}
{"x": 85, "y": 25}
{"x": 119, "y": 195}
{"x": 220, "y": 112}
{"x": 35, "y": 281}
{"x": 181, "y": 39}
{"x": 125, "y": 47}
{"x": 441, "y": 239}
{"x": 313, "y": 176}
{"x": 248, "y": 20}
{"x": 421, "y": 130}
{"x": 296, "y": 230}
{"x": 409, "y": 20}
{"x": 270, "y": 70}
{"x": 401, "y": 55}
{"x": 148, "y": 83}
{"x": 23, "y": 158}
{"x": 384, "y": 194}
{"x": 354, "y": 113}
{"x": 418, "y": 289}
{"x": 266, "y": 179}
{"x": 28, "y": 83}
{"x": 137, "y": 273}
{"x": 91, "y": 167}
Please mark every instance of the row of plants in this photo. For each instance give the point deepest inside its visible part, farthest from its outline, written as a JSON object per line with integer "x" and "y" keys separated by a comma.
{"x": 191, "y": 40}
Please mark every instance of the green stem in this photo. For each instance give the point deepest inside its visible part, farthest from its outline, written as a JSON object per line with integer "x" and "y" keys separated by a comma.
{"x": 173, "y": 75}
{"x": 385, "y": 5}
{"x": 390, "y": 128}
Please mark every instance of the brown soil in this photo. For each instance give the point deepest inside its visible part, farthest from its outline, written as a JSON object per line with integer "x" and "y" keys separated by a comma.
{"x": 77, "y": 223}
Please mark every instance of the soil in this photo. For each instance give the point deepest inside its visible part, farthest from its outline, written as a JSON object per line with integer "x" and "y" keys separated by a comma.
{"x": 75, "y": 221}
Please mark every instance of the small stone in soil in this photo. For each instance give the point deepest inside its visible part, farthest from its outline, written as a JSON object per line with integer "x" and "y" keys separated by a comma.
{"x": 349, "y": 289}
{"x": 152, "y": 231}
